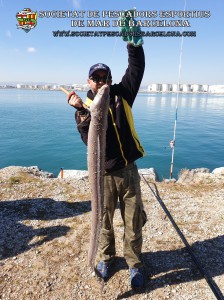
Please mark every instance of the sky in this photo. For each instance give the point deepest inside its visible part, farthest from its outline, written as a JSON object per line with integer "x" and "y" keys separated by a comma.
{"x": 38, "y": 56}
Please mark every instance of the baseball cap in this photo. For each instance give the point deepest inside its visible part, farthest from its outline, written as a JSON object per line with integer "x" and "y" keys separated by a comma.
{"x": 99, "y": 66}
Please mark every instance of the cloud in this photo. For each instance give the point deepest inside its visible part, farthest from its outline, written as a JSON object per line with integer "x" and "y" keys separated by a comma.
{"x": 31, "y": 50}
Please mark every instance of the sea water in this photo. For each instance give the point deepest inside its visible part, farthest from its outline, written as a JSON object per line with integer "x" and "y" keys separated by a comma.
{"x": 37, "y": 128}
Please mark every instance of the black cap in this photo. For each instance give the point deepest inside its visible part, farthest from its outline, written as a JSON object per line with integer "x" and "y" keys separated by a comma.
{"x": 99, "y": 66}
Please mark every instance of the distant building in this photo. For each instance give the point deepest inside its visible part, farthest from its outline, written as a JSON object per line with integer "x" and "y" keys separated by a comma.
{"x": 205, "y": 88}
{"x": 77, "y": 87}
{"x": 152, "y": 88}
{"x": 166, "y": 87}
{"x": 175, "y": 87}
{"x": 186, "y": 88}
{"x": 196, "y": 88}
{"x": 219, "y": 89}
{"x": 155, "y": 87}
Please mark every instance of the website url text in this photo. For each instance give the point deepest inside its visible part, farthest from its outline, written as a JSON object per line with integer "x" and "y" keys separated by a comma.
{"x": 69, "y": 33}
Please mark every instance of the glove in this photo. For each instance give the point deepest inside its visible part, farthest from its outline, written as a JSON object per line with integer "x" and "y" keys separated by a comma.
{"x": 130, "y": 33}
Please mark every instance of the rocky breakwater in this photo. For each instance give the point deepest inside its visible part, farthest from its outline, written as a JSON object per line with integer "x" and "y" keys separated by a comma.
{"x": 44, "y": 237}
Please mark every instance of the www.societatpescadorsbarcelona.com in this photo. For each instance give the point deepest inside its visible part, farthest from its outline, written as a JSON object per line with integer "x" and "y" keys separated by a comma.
{"x": 69, "y": 33}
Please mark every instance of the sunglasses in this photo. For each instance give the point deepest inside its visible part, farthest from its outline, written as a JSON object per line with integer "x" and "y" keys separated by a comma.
{"x": 97, "y": 79}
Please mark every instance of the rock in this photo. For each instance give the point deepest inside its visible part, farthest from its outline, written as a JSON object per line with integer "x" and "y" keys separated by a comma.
{"x": 188, "y": 176}
{"x": 218, "y": 171}
{"x": 35, "y": 170}
{"x": 13, "y": 171}
{"x": 47, "y": 174}
{"x": 149, "y": 173}
{"x": 7, "y": 172}
{"x": 82, "y": 174}
{"x": 77, "y": 174}
{"x": 172, "y": 180}
{"x": 201, "y": 170}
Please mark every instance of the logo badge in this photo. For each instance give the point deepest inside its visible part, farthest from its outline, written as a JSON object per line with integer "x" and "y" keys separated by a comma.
{"x": 27, "y": 19}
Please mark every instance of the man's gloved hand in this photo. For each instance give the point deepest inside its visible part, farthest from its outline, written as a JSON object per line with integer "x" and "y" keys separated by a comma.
{"x": 131, "y": 32}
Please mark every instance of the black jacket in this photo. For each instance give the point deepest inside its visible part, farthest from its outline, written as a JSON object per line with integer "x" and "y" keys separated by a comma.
{"x": 122, "y": 143}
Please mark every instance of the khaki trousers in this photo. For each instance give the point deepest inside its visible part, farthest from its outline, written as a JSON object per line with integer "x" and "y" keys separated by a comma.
{"x": 124, "y": 185}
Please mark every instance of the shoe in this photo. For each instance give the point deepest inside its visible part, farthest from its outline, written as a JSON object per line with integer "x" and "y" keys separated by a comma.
{"x": 136, "y": 277}
{"x": 103, "y": 269}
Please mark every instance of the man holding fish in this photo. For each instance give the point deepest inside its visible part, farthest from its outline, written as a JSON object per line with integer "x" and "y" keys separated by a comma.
{"x": 122, "y": 148}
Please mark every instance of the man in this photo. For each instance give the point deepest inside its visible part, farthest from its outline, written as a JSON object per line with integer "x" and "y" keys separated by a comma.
{"x": 122, "y": 149}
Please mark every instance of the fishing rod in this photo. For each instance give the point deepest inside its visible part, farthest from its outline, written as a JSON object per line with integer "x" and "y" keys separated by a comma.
{"x": 172, "y": 143}
{"x": 215, "y": 289}
{"x": 67, "y": 93}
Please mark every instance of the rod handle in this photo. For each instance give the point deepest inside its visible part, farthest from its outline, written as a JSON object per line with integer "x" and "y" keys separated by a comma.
{"x": 67, "y": 92}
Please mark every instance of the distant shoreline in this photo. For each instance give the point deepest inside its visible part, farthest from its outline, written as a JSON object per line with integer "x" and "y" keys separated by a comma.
{"x": 140, "y": 91}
